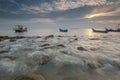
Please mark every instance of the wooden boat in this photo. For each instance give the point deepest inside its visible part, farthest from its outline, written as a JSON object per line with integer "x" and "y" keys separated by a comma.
{"x": 63, "y": 30}
{"x": 100, "y": 31}
{"x": 20, "y": 28}
{"x": 115, "y": 30}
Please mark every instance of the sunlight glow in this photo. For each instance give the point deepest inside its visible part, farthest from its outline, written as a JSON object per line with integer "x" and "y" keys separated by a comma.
{"x": 95, "y": 15}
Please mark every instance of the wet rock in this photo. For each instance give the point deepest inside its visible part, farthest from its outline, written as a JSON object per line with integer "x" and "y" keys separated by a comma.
{"x": 60, "y": 45}
{"x": 93, "y": 65}
{"x": 49, "y": 36}
{"x": 70, "y": 78}
{"x": 76, "y": 39}
{"x": 10, "y": 57}
{"x": 94, "y": 49}
{"x": 12, "y": 40}
{"x": 24, "y": 78}
{"x": 48, "y": 47}
{"x": 44, "y": 60}
{"x": 3, "y": 37}
{"x": 31, "y": 76}
{"x": 31, "y": 63}
{"x": 81, "y": 49}
{"x": 45, "y": 45}
{"x": 60, "y": 36}
{"x": 3, "y": 51}
{"x": 94, "y": 38}
{"x": 64, "y": 52}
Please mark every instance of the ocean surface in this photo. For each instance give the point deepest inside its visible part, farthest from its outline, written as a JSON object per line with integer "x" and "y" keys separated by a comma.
{"x": 44, "y": 32}
{"x": 78, "y": 54}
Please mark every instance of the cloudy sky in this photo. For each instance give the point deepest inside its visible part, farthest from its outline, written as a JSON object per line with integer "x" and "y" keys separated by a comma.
{"x": 73, "y": 13}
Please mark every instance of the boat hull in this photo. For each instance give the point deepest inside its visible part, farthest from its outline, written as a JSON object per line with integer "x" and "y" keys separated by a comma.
{"x": 111, "y": 30}
{"x": 100, "y": 31}
{"x": 63, "y": 30}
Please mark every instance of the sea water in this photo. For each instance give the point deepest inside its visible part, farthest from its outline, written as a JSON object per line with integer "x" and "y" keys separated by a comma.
{"x": 78, "y": 54}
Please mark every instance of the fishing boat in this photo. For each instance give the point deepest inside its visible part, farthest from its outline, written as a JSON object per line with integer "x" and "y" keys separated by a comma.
{"x": 100, "y": 31}
{"x": 20, "y": 28}
{"x": 115, "y": 30}
{"x": 63, "y": 30}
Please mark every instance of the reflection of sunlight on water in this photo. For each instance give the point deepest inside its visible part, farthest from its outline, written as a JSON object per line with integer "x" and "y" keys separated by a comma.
{"x": 90, "y": 33}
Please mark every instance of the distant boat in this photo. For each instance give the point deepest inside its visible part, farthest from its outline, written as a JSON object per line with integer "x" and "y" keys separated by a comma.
{"x": 63, "y": 30}
{"x": 20, "y": 28}
{"x": 115, "y": 30}
{"x": 100, "y": 31}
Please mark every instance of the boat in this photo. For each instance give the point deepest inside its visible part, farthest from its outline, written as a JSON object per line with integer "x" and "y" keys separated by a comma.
{"x": 63, "y": 30}
{"x": 114, "y": 30}
{"x": 20, "y": 28}
{"x": 100, "y": 31}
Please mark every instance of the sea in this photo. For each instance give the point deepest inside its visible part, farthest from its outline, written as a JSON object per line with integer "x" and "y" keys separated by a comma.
{"x": 78, "y": 54}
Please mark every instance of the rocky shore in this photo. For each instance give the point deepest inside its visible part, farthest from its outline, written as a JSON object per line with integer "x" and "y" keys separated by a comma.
{"x": 59, "y": 58}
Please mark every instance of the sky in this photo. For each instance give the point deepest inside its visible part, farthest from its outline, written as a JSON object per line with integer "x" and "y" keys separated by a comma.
{"x": 53, "y": 13}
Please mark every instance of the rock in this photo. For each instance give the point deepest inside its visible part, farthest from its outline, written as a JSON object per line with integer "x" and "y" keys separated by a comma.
{"x": 31, "y": 76}
{"x": 94, "y": 38}
{"x": 76, "y": 39}
{"x": 93, "y": 65}
{"x": 60, "y": 45}
{"x": 48, "y": 47}
{"x": 12, "y": 40}
{"x": 44, "y": 60}
{"x": 3, "y": 51}
{"x": 70, "y": 78}
{"x": 4, "y": 37}
{"x": 81, "y": 49}
{"x": 60, "y": 36}
{"x": 45, "y": 45}
{"x": 24, "y": 78}
{"x": 10, "y": 57}
{"x": 49, "y": 36}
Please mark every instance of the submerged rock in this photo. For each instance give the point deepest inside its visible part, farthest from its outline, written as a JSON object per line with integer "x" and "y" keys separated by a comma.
{"x": 24, "y": 78}
{"x": 31, "y": 76}
{"x": 12, "y": 40}
{"x": 93, "y": 65}
{"x": 45, "y": 45}
{"x": 44, "y": 60}
{"x": 60, "y": 45}
{"x": 10, "y": 57}
{"x": 3, "y": 51}
{"x": 94, "y": 38}
{"x": 81, "y": 49}
{"x": 49, "y": 36}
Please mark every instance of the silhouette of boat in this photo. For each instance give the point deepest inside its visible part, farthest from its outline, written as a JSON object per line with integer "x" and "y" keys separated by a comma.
{"x": 115, "y": 30}
{"x": 63, "y": 30}
{"x": 100, "y": 31}
{"x": 20, "y": 28}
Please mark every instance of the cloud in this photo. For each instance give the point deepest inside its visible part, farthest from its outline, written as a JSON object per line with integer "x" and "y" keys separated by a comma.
{"x": 107, "y": 21}
{"x": 8, "y": 12}
{"x": 14, "y": 2}
{"x": 105, "y": 10}
{"x": 61, "y": 5}
{"x": 40, "y": 20}
{"x": 32, "y": 20}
